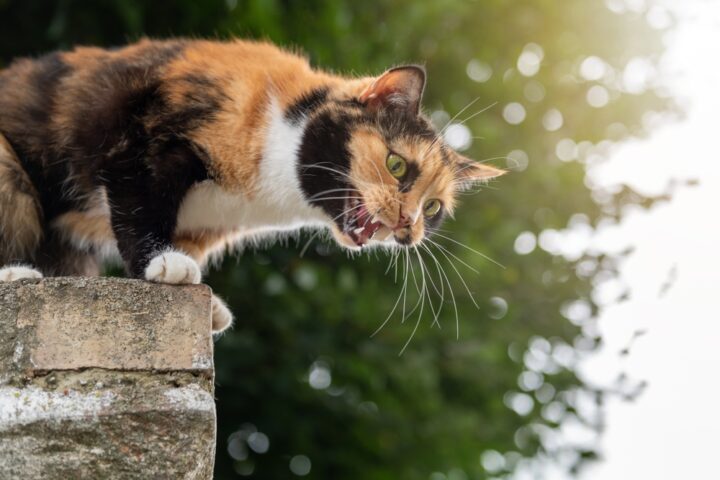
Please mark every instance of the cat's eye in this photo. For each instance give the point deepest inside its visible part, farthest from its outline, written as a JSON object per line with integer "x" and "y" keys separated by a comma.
{"x": 432, "y": 207}
{"x": 396, "y": 165}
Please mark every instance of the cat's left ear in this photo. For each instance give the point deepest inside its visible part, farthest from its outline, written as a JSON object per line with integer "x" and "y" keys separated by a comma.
{"x": 399, "y": 88}
{"x": 469, "y": 173}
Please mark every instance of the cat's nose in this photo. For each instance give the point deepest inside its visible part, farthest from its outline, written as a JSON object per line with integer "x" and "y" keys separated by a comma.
{"x": 404, "y": 222}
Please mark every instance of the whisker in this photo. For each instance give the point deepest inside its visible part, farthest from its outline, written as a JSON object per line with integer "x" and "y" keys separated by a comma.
{"x": 446, "y": 250}
{"x": 449, "y": 122}
{"x": 397, "y": 302}
{"x": 417, "y": 287}
{"x": 442, "y": 250}
{"x": 471, "y": 249}
{"x": 338, "y": 198}
{"x": 417, "y": 324}
{"x": 452, "y": 293}
{"x": 478, "y": 113}
{"x": 426, "y": 291}
{"x": 304, "y": 249}
{"x": 334, "y": 190}
{"x": 441, "y": 291}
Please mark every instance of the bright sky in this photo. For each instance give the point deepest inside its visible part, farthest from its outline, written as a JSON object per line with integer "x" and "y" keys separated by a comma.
{"x": 673, "y": 430}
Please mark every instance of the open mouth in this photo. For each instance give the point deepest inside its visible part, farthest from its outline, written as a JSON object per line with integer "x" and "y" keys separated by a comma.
{"x": 358, "y": 223}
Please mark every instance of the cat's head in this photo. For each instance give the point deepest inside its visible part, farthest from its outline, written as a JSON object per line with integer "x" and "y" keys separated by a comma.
{"x": 376, "y": 166}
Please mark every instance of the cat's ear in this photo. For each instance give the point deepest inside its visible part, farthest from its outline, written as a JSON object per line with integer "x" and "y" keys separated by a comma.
{"x": 399, "y": 88}
{"x": 469, "y": 173}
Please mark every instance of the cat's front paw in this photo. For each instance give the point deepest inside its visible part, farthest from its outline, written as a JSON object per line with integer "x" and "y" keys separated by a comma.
{"x": 17, "y": 272}
{"x": 222, "y": 318}
{"x": 173, "y": 267}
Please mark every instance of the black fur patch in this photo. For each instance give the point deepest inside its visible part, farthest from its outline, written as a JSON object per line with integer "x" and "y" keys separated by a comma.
{"x": 44, "y": 80}
{"x": 406, "y": 240}
{"x": 397, "y": 124}
{"x": 306, "y": 105}
{"x": 125, "y": 96}
{"x": 324, "y": 148}
{"x": 411, "y": 174}
{"x": 145, "y": 193}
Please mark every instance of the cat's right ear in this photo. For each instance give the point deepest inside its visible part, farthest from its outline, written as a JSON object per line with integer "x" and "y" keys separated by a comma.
{"x": 399, "y": 88}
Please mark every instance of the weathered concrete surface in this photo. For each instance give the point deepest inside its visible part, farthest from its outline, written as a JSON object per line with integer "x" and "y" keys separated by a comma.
{"x": 105, "y": 378}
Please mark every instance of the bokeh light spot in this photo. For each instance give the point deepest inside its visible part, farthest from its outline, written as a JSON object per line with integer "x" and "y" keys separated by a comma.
{"x": 514, "y": 113}
{"x": 478, "y": 71}
{"x": 517, "y": 160}
{"x": 319, "y": 377}
{"x": 258, "y": 442}
{"x": 593, "y": 68}
{"x": 245, "y": 468}
{"x": 528, "y": 63}
{"x": 236, "y": 447}
{"x": 577, "y": 311}
{"x": 598, "y": 96}
{"x": 534, "y": 91}
{"x": 552, "y": 120}
{"x": 492, "y": 461}
{"x": 458, "y": 136}
{"x": 530, "y": 380}
{"x": 525, "y": 243}
{"x": 457, "y": 474}
{"x": 305, "y": 278}
{"x": 300, "y": 465}
{"x": 439, "y": 118}
{"x": 566, "y": 150}
{"x": 637, "y": 75}
{"x": 520, "y": 403}
{"x": 499, "y": 308}
{"x": 275, "y": 284}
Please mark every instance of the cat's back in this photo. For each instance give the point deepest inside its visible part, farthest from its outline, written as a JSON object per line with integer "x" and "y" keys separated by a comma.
{"x": 47, "y": 97}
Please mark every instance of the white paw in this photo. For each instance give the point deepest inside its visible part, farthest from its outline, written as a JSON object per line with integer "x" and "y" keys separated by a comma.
{"x": 222, "y": 318}
{"x": 8, "y": 274}
{"x": 173, "y": 267}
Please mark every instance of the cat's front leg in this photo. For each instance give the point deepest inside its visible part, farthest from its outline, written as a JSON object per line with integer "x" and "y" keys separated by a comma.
{"x": 18, "y": 272}
{"x": 172, "y": 267}
{"x": 144, "y": 239}
{"x": 144, "y": 195}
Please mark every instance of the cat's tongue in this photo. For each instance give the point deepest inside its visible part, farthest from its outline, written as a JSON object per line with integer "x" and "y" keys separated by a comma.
{"x": 364, "y": 228}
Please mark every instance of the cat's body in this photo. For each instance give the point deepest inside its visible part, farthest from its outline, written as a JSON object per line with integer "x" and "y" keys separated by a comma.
{"x": 166, "y": 152}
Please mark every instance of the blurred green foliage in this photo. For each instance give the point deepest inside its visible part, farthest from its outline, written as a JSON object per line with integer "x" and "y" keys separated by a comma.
{"x": 305, "y": 322}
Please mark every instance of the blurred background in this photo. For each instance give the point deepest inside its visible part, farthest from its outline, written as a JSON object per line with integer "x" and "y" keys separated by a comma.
{"x": 584, "y": 348}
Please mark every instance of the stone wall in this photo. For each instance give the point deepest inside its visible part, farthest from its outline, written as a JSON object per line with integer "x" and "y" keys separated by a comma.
{"x": 105, "y": 378}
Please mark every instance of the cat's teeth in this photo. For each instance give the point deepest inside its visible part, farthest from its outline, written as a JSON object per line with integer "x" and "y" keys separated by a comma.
{"x": 358, "y": 231}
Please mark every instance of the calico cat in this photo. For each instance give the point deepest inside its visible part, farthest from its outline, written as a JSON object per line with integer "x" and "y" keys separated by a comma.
{"x": 167, "y": 152}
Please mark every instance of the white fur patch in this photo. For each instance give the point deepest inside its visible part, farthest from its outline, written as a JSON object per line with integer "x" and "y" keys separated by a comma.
{"x": 278, "y": 205}
{"x": 222, "y": 318}
{"x": 173, "y": 267}
{"x": 17, "y": 272}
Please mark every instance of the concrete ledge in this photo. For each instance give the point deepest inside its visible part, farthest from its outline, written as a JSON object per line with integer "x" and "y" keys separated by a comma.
{"x": 105, "y": 378}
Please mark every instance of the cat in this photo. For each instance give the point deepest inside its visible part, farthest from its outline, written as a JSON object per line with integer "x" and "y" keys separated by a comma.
{"x": 167, "y": 152}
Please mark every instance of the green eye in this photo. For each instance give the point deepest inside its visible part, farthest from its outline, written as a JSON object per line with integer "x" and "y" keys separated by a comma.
{"x": 432, "y": 207}
{"x": 396, "y": 165}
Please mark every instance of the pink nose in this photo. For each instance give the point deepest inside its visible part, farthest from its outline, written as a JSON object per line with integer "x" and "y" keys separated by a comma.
{"x": 404, "y": 222}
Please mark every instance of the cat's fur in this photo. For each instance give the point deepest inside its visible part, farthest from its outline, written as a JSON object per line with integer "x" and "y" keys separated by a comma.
{"x": 169, "y": 151}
